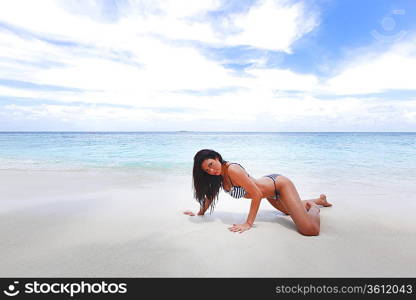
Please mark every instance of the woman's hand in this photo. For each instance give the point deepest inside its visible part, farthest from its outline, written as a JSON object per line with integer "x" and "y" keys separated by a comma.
{"x": 240, "y": 227}
{"x": 192, "y": 214}
{"x": 189, "y": 213}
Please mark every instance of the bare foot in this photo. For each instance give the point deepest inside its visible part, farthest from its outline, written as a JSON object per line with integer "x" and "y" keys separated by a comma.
{"x": 322, "y": 201}
{"x": 310, "y": 204}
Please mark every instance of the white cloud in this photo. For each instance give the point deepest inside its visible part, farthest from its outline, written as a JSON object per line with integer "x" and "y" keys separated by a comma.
{"x": 375, "y": 72}
{"x": 272, "y": 114}
{"x": 164, "y": 66}
{"x": 275, "y": 79}
{"x": 134, "y": 61}
{"x": 272, "y": 25}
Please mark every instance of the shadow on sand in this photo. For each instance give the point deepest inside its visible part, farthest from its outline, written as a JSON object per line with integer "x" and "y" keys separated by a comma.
{"x": 230, "y": 218}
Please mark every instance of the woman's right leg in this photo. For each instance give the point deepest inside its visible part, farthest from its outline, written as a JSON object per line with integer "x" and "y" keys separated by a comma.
{"x": 307, "y": 221}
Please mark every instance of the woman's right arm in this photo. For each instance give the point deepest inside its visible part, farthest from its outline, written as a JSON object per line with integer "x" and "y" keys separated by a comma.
{"x": 202, "y": 210}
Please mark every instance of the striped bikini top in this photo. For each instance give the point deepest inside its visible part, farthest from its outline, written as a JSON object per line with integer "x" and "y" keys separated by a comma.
{"x": 235, "y": 191}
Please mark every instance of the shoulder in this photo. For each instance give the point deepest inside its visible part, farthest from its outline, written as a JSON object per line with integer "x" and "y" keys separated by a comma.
{"x": 236, "y": 170}
{"x": 241, "y": 178}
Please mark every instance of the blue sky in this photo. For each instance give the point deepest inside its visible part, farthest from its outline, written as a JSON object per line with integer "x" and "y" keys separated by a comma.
{"x": 215, "y": 65}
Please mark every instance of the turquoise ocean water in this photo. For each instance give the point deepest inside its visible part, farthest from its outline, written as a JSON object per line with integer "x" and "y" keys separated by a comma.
{"x": 372, "y": 166}
{"x": 344, "y": 156}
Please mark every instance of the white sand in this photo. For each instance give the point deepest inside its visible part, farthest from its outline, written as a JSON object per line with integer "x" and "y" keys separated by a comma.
{"x": 86, "y": 224}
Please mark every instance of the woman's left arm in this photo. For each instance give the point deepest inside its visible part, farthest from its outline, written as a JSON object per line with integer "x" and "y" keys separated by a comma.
{"x": 240, "y": 177}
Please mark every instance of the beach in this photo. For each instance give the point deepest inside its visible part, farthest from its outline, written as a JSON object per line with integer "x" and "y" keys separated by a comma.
{"x": 86, "y": 223}
{"x": 104, "y": 106}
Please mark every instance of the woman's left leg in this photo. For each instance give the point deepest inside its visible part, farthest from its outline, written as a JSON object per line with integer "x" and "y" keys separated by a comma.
{"x": 319, "y": 201}
{"x": 307, "y": 220}
{"x": 279, "y": 205}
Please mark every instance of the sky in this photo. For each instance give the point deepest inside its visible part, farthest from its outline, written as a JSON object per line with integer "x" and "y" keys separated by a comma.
{"x": 208, "y": 65}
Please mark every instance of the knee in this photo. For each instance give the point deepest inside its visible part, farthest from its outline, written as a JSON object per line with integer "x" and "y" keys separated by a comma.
{"x": 310, "y": 230}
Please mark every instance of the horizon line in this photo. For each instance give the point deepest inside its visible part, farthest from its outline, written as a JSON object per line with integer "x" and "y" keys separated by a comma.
{"x": 193, "y": 131}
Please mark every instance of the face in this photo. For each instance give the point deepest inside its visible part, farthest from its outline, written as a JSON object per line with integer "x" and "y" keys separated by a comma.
{"x": 211, "y": 166}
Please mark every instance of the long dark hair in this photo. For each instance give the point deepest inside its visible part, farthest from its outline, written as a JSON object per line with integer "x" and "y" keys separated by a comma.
{"x": 206, "y": 185}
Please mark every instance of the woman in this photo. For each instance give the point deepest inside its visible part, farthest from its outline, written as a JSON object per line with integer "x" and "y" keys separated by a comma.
{"x": 211, "y": 172}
